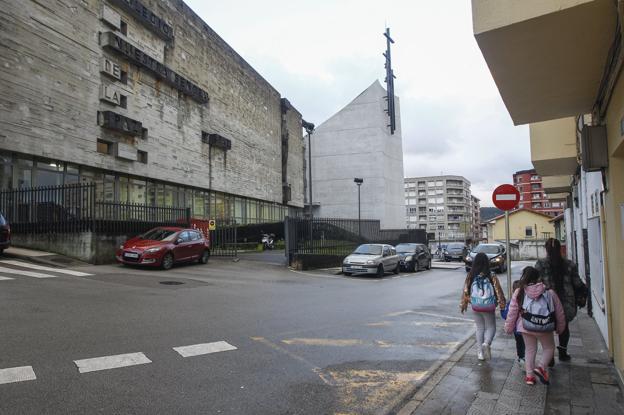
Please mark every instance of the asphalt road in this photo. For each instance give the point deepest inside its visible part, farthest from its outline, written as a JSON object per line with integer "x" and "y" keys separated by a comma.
{"x": 305, "y": 342}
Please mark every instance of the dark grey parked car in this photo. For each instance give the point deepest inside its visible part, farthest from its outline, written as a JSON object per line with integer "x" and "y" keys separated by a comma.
{"x": 455, "y": 251}
{"x": 413, "y": 257}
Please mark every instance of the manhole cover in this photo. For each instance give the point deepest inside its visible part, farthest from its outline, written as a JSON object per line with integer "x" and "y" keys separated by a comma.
{"x": 171, "y": 283}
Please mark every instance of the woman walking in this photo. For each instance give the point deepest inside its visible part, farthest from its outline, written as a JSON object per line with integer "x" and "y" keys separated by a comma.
{"x": 561, "y": 275}
{"x": 483, "y": 292}
{"x": 535, "y": 313}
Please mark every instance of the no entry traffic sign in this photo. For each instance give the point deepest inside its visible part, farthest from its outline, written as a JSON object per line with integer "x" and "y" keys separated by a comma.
{"x": 506, "y": 197}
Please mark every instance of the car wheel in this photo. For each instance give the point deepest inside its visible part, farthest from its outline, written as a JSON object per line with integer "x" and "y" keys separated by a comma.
{"x": 205, "y": 256}
{"x": 380, "y": 271}
{"x": 414, "y": 267}
{"x": 396, "y": 269}
{"x": 348, "y": 274}
{"x": 467, "y": 269}
{"x": 167, "y": 261}
{"x": 446, "y": 259}
{"x": 429, "y": 265}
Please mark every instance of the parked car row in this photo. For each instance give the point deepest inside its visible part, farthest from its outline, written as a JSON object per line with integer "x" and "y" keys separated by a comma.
{"x": 495, "y": 253}
{"x": 379, "y": 259}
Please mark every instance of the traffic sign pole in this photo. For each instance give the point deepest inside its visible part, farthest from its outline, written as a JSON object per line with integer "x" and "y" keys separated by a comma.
{"x": 508, "y": 254}
{"x": 506, "y": 197}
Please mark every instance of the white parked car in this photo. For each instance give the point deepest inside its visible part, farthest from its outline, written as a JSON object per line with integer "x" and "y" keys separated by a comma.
{"x": 371, "y": 259}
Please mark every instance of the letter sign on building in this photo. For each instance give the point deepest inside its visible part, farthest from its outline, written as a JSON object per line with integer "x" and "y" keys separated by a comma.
{"x": 117, "y": 122}
{"x": 111, "y": 17}
{"x": 111, "y": 95}
{"x": 110, "y": 68}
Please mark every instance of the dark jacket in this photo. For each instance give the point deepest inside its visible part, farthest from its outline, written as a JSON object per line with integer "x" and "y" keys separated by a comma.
{"x": 571, "y": 283}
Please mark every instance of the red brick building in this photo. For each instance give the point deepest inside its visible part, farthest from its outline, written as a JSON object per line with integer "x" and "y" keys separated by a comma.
{"x": 532, "y": 195}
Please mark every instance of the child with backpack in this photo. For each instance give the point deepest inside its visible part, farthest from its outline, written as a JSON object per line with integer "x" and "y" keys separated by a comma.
{"x": 535, "y": 313}
{"x": 483, "y": 292}
{"x": 517, "y": 336}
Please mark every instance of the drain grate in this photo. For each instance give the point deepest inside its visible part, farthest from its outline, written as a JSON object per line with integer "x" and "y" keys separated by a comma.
{"x": 171, "y": 282}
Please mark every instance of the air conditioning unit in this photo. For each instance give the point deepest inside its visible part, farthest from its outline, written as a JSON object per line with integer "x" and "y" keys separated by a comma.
{"x": 594, "y": 154}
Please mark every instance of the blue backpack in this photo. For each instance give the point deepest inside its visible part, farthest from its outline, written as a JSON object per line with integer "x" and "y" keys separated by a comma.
{"x": 482, "y": 296}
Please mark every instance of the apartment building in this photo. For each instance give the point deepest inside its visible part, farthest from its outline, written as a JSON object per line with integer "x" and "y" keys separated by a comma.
{"x": 533, "y": 196}
{"x": 475, "y": 203}
{"x": 443, "y": 205}
{"x": 564, "y": 79}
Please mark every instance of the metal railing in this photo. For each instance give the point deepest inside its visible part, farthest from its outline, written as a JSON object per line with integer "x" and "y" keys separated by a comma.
{"x": 329, "y": 236}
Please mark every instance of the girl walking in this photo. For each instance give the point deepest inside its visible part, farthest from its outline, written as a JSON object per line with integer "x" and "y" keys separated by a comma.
{"x": 483, "y": 292}
{"x": 560, "y": 274}
{"x": 536, "y": 313}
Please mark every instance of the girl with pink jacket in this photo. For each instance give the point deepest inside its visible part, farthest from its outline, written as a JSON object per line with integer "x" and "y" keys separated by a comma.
{"x": 535, "y": 313}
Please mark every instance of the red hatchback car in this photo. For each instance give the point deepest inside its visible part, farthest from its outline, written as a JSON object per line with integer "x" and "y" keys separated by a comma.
{"x": 162, "y": 247}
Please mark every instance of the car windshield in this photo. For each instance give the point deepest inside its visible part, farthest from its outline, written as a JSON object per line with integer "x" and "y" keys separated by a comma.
{"x": 455, "y": 246}
{"x": 159, "y": 234}
{"x": 368, "y": 250}
{"x": 487, "y": 249}
{"x": 406, "y": 248}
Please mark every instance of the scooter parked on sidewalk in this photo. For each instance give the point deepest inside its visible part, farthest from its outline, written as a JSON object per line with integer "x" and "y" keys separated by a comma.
{"x": 268, "y": 241}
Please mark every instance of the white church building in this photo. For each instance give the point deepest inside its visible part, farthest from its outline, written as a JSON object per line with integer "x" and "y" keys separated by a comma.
{"x": 356, "y": 142}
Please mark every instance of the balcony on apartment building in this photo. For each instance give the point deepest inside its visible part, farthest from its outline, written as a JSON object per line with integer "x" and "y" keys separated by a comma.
{"x": 559, "y": 51}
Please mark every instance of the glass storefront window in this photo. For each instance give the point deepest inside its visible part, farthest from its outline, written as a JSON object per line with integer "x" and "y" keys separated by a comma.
{"x": 71, "y": 174}
{"x": 136, "y": 191}
{"x": 6, "y": 170}
{"x": 109, "y": 188}
{"x": 252, "y": 216}
{"x": 168, "y": 195}
{"x": 123, "y": 189}
{"x": 219, "y": 206}
{"x": 199, "y": 203}
{"x": 239, "y": 209}
{"x": 22, "y": 173}
{"x": 49, "y": 173}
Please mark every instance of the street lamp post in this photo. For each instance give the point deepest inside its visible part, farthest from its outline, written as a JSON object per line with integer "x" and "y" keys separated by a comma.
{"x": 309, "y": 127}
{"x": 359, "y": 181}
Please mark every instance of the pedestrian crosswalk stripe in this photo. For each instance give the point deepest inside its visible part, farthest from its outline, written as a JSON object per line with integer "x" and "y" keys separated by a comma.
{"x": 17, "y": 374}
{"x": 12, "y": 271}
{"x": 42, "y": 268}
{"x": 204, "y": 348}
{"x": 6, "y": 278}
{"x": 111, "y": 362}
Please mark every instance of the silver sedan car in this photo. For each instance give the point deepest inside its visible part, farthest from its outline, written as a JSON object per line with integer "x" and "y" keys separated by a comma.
{"x": 371, "y": 259}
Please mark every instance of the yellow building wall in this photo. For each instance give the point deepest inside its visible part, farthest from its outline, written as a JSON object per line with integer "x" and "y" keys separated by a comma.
{"x": 614, "y": 202}
{"x": 517, "y": 225}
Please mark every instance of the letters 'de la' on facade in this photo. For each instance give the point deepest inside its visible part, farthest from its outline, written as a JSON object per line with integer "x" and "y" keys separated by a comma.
{"x": 129, "y": 75}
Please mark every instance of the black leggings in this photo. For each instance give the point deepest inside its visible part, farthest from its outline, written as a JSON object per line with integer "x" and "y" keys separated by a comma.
{"x": 564, "y": 338}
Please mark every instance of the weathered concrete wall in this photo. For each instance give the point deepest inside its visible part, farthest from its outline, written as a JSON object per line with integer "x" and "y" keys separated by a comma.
{"x": 51, "y": 79}
{"x": 356, "y": 142}
{"x": 76, "y": 245}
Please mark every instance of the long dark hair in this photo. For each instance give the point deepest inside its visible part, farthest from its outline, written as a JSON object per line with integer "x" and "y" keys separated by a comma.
{"x": 556, "y": 263}
{"x": 529, "y": 276}
{"x": 480, "y": 265}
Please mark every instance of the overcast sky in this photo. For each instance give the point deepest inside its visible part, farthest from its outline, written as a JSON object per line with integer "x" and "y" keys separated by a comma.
{"x": 320, "y": 54}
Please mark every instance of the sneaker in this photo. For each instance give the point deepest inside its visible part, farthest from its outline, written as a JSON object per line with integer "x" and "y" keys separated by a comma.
{"x": 487, "y": 352}
{"x": 542, "y": 375}
{"x": 529, "y": 380}
{"x": 480, "y": 355}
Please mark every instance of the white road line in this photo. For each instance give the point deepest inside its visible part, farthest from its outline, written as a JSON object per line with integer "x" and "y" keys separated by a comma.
{"x": 6, "y": 278}
{"x": 17, "y": 374}
{"x": 204, "y": 348}
{"x": 111, "y": 362}
{"x": 42, "y": 268}
{"x": 12, "y": 271}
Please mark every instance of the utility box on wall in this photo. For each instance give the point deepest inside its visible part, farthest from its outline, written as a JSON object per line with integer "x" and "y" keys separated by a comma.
{"x": 594, "y": 154}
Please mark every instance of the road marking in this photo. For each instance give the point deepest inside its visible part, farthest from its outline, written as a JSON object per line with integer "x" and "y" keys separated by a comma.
{"x": 42, "y": 268}
{"x": 12, "y": 271}
{"x": 6, "y": 278}
{"x": 400, "y": 313}
{"x": 17, "y": 374}
{"x": 204, "y": 348}
{"x": 323, "y": 342}
{"x": 111, "y": 362}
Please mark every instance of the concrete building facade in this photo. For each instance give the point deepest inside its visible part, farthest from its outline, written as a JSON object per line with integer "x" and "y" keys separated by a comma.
{"x": 356, "y": 143}
{"x": 565, "y": 80}
{"x": 532, "y": 195}
{"x": 443, "y": 205}
{"x": 147, "y": 101}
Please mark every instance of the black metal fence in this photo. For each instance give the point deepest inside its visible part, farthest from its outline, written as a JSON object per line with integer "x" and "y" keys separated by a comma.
{"x": 340, "y": 236}
{"x": 73, "y": 208}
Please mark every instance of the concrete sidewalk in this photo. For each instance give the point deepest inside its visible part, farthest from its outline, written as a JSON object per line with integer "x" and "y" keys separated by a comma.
{"x": 42, "y": 257}
{"x": 587, "y": 384}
